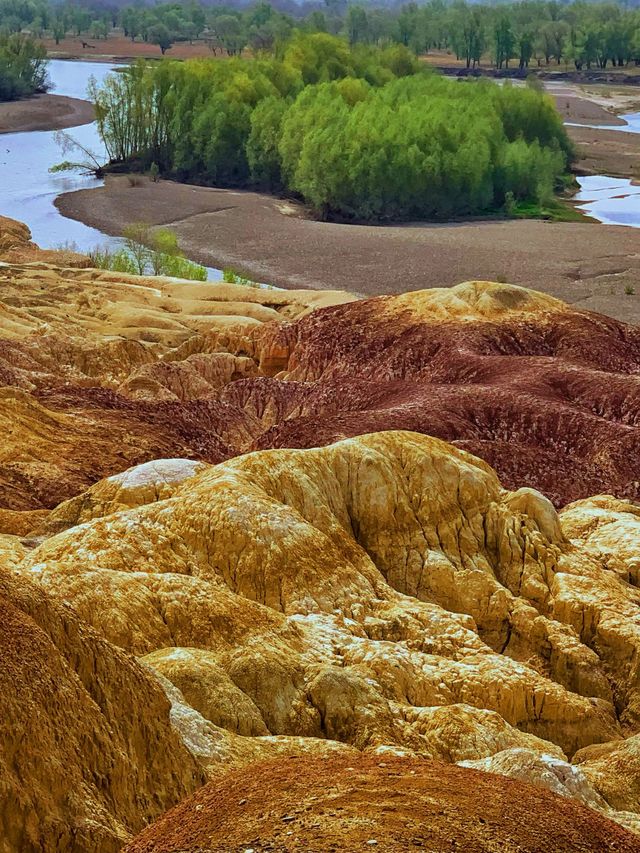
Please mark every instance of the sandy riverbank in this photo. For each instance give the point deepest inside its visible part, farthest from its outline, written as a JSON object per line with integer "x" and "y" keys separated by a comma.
{"x": 587, "y": 264}
{"x": 44, "y": 112}
{"x": 600, "y": 152}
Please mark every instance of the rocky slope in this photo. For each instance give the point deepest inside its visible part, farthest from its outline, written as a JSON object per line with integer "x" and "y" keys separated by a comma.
{"x": 175, "y": 611}
{"x": 87, "y": 750}
{"x": 385, "y": 593}
{"x": 85, "y": 385}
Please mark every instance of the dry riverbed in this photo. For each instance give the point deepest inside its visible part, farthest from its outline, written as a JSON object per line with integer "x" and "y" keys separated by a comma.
{"x": 586, "y": 264}
{"x": 601, "y": 152}
{"x": 44, "y": 112}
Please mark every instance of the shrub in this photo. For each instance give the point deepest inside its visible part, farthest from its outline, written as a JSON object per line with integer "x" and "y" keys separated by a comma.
{"x": 148, "y": 252}
{"x": 23, "y": 66}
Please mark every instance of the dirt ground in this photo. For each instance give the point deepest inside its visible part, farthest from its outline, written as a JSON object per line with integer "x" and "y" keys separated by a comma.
{"x": 608, "y": 152}
{"x": 269, "y": 240}
{"x": 119, "y": 47}
{"x": 379, "y": 803}
{"x": 44, "y": 112}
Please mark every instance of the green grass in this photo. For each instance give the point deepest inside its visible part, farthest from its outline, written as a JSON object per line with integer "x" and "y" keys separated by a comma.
{"x": 557, "y": 210}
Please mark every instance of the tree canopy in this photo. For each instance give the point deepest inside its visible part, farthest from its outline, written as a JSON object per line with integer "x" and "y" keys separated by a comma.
{"x": 523, "y": 34}
{"x": 23, "y": 66}
{"x": 357, "y": 132}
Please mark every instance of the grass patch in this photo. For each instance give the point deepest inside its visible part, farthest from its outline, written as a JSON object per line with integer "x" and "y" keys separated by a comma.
{"x": 557, "y": 210}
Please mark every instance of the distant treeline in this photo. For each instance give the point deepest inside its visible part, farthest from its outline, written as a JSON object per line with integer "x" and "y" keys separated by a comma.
{"x": 532, "y": 32}
{"x": 359, "y": 133}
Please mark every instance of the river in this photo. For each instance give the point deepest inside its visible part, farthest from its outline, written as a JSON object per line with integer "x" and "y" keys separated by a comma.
{"x": 28, "y": 189}
{"x": 612, "y": 201}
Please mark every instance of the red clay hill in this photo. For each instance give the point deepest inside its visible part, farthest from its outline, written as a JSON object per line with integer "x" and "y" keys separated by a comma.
{"x": 101, "y": 371}
{"x": 388, "y": 804}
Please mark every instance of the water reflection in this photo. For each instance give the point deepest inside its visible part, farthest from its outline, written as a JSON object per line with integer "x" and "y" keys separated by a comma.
{"x": 613, "y": 201}
{"x": 28, "y": 189}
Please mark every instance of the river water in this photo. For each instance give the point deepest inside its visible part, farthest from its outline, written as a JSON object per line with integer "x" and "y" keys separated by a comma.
{"x": 27, "y": 187}
{"x": 612, "y": 201}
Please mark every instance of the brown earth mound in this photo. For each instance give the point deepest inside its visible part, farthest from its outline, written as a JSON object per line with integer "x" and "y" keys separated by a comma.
{"x": 395, "y": 805}
{"x": 88, "y": 390}
{"x": 549, "y": 396}
{"x": 16, "y": 247}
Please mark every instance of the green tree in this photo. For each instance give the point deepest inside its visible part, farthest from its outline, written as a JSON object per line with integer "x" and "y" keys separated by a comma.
{"x": 357, "y": 25}
{"x": 263, "y": 156}
{"x": 59, "y": 29}
{"x": 23, "y": 66}
{"x": 134, "y": 237}
{"x": 160, "y": 35}
{"x": 504, "y": 41}
{"x": 230, "y": 33}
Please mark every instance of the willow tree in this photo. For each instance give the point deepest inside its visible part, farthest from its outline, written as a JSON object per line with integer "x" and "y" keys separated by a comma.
{"x": 23, "y": 66}
{"x": 132, "y": 112}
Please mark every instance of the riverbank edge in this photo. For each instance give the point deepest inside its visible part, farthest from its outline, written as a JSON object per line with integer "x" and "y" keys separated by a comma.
{"x": 44, "y": 113}
{"x": 80, "y": 205}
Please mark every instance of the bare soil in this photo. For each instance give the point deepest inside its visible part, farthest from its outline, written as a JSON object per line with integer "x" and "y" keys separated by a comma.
{"x": 344, "y": 805}
{"x": 271, "y": 240}
{"x": 119, "y": 47}
{"x": 608, "y": 152}
{"x": 44, "y": 112}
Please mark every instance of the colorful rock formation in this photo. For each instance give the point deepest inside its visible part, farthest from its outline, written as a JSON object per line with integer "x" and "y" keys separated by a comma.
{"x": 353, "y": 589}
{"x": 547, "y": 395}
{"x": 385, "y": 592}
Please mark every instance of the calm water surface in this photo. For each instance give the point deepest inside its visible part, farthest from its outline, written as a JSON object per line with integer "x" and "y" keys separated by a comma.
{"x": 632, "y": 124}
{"x": 28, "y": 189}
{"x": 613, "y": 201}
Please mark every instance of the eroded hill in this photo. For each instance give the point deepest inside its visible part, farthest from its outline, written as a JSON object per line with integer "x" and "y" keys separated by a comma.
{"x": 396, "y": 805}
{"x": 117, "y": 370}
{"x": 375, "y": 594}
{"x": 384, "y": 594}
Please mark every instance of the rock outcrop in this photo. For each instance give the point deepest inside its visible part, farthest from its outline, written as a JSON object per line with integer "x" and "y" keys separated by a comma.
{"x": 16, "y": 247}
{"x": 96, "y": 373}
{"x": 545, "y": 394}
{"x": 385, "y": 592}
{"x": 231, "y": 531}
